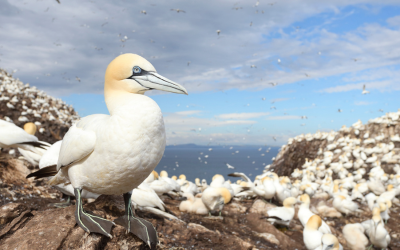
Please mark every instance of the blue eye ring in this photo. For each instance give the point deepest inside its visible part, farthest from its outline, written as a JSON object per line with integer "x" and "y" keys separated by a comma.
{"x": 137, "y": 70}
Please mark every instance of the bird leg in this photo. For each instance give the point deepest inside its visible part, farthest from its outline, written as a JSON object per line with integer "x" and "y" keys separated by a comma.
{"x": 62, "y": 204}
{"x": 138, "y": 226}
{"x": 88, "y": 221}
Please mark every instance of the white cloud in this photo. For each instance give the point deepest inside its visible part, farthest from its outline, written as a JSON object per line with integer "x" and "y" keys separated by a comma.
{"x": 188, "y": 112}
{"x": 241, "y": 115}
{"x": 285, "y": 117}
{"x": 394, "y": 21}
{"x": 280, "y": 99}
{"x": 362, "y": 103}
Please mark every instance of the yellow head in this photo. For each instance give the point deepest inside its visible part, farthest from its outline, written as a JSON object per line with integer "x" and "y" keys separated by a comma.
{"x": 314, "y": 222}
{"x": 155, "y": 175}
{"x": 174, "y": 177}
{"x": 30, "y": 128}
{"x": 289, "y": 202}
{"x": 163, "y": 173}
{"x": 182, "y": 177}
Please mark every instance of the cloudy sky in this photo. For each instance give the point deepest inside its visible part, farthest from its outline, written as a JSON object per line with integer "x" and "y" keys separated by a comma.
{"x": 319, "y": 54}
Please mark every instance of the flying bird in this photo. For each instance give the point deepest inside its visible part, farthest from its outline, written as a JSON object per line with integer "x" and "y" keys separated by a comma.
{"x": 178, "y": 10}
{"x": 274, "y": 138}
{"x": 218, "y": 31}
{"x": 188, "y": 63}
{"x": 92, "y": 154}
{"x": 340, "y": 111}
{"x": 144, "y": 12}
{"x": 364, "y": 92}
{"x": 230, "y": 166}
{"x": 273, "y": 84}
{"x": 253, "y": 66}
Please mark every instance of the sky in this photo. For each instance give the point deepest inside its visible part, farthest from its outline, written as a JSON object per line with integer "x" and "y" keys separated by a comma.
{"x": 318, "y": 54}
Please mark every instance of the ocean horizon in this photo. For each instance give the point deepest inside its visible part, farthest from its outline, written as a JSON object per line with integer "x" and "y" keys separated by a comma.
{"x": 201, "y": 161}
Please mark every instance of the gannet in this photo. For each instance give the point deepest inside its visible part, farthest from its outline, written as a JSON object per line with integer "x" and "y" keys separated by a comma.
{"x": 311, "y": 236}
{"x": 193, "y": 205}
{"x": 215, "y": 198}
{"x": 345, "y": 206}
{"x": 144, "y": 198}
{"x": 282, "y": 215}
{"x": 355, "y": 237}
{"x": 113, "y": 154}
{"x": 12, "y": 136}
{"x": 330, "y": 242}
{"x": 376, "y": 231}
{"x": 305, "y": 214}
{"x": 33, "y": 154}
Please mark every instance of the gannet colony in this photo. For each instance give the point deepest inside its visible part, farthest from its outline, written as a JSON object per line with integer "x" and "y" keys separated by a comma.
{"x": 328, "y": 190}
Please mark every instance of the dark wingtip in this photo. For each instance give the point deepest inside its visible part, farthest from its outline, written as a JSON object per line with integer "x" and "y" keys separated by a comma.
{"x": 44, "y": 172}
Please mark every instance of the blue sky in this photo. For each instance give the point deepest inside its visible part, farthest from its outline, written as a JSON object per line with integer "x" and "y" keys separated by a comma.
{"x": 320, "y": 54}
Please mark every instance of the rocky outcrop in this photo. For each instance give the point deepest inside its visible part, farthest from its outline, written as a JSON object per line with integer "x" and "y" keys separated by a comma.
{"x": 21, "y": 103}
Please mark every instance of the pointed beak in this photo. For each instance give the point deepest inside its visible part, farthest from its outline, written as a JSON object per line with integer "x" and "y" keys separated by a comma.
{"x": 152, "y": 80}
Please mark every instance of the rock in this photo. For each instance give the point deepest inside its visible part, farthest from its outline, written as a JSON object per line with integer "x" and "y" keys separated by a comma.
{"x": 10, "y": 211}
{"x": 199, "y": 228}
{"x": 268, "y": 237}
{"x": 261, "y": 207}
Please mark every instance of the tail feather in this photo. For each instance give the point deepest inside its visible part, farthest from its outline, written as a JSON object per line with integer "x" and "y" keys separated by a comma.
{"x": 44, "y": 172}
{"x": 160, "y": 213}
{"x": 37, "y": 144}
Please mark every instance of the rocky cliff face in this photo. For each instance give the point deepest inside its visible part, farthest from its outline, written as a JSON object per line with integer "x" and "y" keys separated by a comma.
{"x": 294, "y": 154}
{"x": 21, "y": 103}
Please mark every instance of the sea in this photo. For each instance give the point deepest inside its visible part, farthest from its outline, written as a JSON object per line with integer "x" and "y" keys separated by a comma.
{"x": 204, "y": 162}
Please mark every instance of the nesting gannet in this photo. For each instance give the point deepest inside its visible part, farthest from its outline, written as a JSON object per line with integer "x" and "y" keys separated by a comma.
{"x": 355, "y": 237}
{"x": 375, "y": 230}
{"x": 330, "y": 242}
{"x": 311, "y": 236}
{"x": 144, "y": 198}
{"x": 193, "y": 205}
{"x": 282, "y": 215}
{"x": 113, "y": 154}
{"x": 305, "y": 214}
{"x": 12, "y": 136}
{"x": 215, "y": 198}
{"x": 344, "y": 205}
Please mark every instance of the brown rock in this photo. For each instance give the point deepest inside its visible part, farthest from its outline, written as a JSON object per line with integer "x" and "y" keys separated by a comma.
{"x": 10, "y": 211}
{"x": 261, "y": 207}
{"x": 268, "y": 237}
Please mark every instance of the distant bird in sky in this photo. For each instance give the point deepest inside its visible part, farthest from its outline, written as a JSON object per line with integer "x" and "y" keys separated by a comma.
{"x": 355, "y": 59}
{"x": 178, "y": 10}
{"x": 253, "y": 66}
{"x": 78, "y": 79}
{"x": 273, "y": 84}
{"x": 364, "y": 92}
{"x": 188, "y": 63}
{"x": 307, "y": 75}
{"x": 340, "y": 111}
{"x": 272, "y": 3}
{"x": 273, "y": 107}
{"x": 257, "y": 3}
{"x": 237, "y": 8}
{"x": 230, "y": 166}
{"x": 381, "y": 110}
{"x": 274, "y": 138}
{"x": 279, "y": 60}
{"x": 251, "y": 23}
{"x": 263, "y": 98}
{"x": 218, "y": 31}
{"x": 304, "y": 117}
{"x": 144, "y": 12}
{"x": 58, "y": 1}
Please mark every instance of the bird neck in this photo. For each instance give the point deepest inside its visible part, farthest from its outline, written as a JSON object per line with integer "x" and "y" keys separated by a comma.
{"x": 116, "y": 98}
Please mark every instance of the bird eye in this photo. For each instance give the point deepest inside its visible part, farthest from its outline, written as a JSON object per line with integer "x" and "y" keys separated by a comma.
{"x": 137, "y": 70}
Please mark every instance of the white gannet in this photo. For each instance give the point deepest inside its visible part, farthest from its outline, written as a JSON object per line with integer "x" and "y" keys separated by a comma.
{"x": 305, "y": 214}
{"x": 311, "y": 236}
{"x": 344, "y": 205}
{"x": 145, "y": 199}
{"x": 215, "y": 198}
{"x": 282, "y": 215}
{"x": 376, "y": 231}
{"x": 33, "y": 154}
{"x": 330, "y": 242}
{"x": 113, "y": 154}
{"x": 193, "y": 205}
{"x": 355, "y": 237}
{"x": 12, "y": 136}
